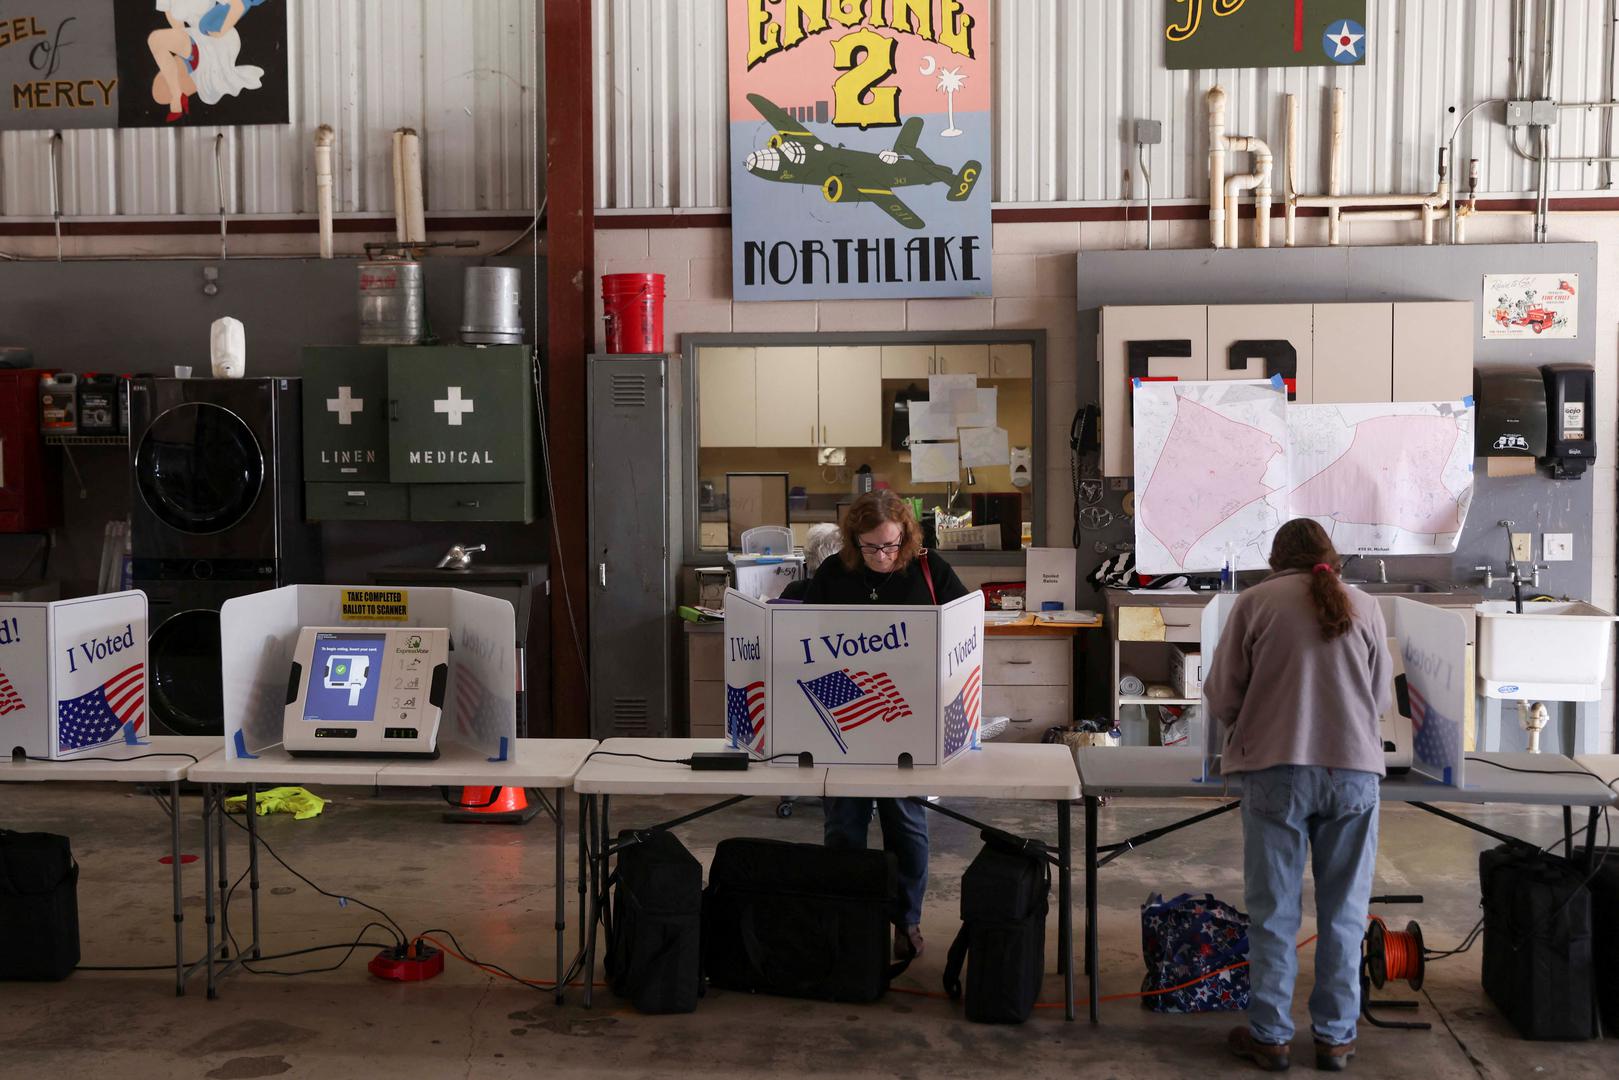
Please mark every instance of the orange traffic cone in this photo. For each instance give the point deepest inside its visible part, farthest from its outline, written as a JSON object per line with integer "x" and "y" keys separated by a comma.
{"x": 492, "y": 806}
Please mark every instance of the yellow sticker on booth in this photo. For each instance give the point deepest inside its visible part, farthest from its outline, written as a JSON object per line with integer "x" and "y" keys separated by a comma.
{"x": 374, "y": 605}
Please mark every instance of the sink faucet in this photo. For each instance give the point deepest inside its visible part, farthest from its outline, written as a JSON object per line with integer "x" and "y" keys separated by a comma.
{"x": 1383, "y": 571}
{"x": 1529, "y": 574}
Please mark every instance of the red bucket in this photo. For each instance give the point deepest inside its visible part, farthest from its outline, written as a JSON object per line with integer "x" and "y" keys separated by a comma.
{"x": 633, "y": 307}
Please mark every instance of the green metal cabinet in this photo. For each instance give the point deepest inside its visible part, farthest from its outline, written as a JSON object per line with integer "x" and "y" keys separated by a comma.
{"x": 421, "y": 433}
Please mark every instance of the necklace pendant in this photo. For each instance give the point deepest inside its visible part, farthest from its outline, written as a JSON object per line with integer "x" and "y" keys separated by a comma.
{"x": 874, "y": 594}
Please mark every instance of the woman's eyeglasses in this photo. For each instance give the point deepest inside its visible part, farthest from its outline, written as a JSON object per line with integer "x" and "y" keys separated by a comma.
{"x": 881, "y": 549}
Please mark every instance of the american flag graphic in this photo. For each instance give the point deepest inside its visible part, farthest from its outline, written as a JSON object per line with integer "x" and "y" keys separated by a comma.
{"x": 94, "y": 718}
{"x": 1436, "y": 738}
{"x": 745, "y": 715}
{"x": 962, "y": 714}
{"x": 847, "y": 699}
{"x": 472, "y": 702}
{"x": 10, "y": 700}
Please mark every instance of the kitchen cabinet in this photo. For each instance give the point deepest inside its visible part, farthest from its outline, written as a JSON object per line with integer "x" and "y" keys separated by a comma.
{"x": 963, "y": 360}
{"x": 851, "y": 396}
{"x": 908, "y": 361}
{"x": 1263, "y": 327}
{"x": 1433, "y": 350}
{"x": 1011, "y": 361}
{"x": 786, "y": 401}
{"x": 1175, "y": 329}
{"x": 1354, "y": 353}
{"x": 725, "y": 393}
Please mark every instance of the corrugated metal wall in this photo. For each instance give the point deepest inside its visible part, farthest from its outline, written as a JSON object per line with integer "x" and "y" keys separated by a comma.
{"x": 1072, "y": 74}
{"x": 464, "y": 73}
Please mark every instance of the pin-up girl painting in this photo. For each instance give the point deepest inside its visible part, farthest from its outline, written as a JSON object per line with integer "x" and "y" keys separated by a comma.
{"x": 196, "y": 53}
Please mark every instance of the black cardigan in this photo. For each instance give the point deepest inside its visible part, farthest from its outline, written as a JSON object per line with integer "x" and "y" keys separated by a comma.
{"x": 835, "y": 583}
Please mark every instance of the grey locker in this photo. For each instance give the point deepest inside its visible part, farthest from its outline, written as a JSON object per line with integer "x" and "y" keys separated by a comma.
{"x": 634, "y": 546}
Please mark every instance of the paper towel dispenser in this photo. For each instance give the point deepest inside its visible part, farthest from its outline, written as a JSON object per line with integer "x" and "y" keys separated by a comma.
{"x": 1570, "y": 418}
{"x": 1511, "y": 405}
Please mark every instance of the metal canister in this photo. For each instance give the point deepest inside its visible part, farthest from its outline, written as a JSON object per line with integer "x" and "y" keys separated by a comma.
{"x": 393, "y": 309}
{"x": 491, "y": 312}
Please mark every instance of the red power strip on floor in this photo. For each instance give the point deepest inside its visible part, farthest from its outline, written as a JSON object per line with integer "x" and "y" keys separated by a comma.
{"x": 416, "y": 962}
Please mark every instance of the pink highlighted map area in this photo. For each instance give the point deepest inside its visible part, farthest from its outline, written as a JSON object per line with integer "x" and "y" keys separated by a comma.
{"x": 1390, "y": 475}
{"x": 1211, "y": 468}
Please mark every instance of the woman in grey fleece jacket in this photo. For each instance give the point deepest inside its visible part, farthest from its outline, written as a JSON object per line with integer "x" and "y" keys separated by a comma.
{"x": 1299, "y": 679}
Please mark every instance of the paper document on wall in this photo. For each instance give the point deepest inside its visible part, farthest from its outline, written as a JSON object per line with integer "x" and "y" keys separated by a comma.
{"x": 935, "y": 462}
{"x": 974, "y": 408}
{"x": 1211, "y": 473}
{"x": 1392, "y": 478}
{"x": 929, "y": 420}
{"x": 983, "y": 447}
{"x": 942, "y": 388}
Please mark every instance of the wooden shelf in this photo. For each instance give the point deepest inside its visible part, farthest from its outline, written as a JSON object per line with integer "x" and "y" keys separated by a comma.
{"x": 86, "y": 440}
{"x": 1159, "y": 701}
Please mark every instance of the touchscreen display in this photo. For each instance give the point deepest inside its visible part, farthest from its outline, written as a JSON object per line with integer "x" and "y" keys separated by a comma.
{"x": 343, "y": 674}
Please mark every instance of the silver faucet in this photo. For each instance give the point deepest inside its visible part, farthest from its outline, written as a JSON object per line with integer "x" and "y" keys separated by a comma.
{"x": 1383, "y": 571}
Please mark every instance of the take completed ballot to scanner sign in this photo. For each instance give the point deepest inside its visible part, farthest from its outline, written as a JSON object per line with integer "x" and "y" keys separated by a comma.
{"x": 854, "y": 684}
{"x": 1432, "y": 644}
{"x": 73, "y": 677}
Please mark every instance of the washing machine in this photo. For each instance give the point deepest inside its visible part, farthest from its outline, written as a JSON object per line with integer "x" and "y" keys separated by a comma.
{"x": 216, "y": 512}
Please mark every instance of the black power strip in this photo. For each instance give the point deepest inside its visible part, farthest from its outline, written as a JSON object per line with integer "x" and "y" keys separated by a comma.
{"x": 720, "y": 761}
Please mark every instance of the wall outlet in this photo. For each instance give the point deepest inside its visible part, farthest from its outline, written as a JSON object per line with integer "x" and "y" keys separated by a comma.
{"x": 1522, "y": 546}
{"x": 1557, "y": 547}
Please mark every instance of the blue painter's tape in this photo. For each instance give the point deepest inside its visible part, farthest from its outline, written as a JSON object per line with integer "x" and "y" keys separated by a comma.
{"x": 1135, "y": 383}
{"x": 1277, "y": 383}
{"x": 1470, "y": 466}
{"x": 505, "y": 750}
{"x": 241, "y": 747}
{"x": 1468, "y": 401}
{"x": 130, "y": 737}
{"x": 1448, "y": 780}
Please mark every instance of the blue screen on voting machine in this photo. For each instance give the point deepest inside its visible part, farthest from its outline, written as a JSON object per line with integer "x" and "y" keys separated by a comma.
{"x": 343, "y": 676}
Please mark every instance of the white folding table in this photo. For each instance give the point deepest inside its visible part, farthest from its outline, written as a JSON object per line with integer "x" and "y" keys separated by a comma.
{"x": 163, "y": 762}
{"x": 534, "y": 763}
{"x": 1138, "y": 772}
{"x": 1043, "y": 772}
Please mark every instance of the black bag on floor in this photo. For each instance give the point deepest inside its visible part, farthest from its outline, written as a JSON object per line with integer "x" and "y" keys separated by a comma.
{"x": 1005, "y": 894}
{"x": 654, "y": 950}
{"x": 800, "y": 920}
{"x": 1605, "y": 936}
{"x": 1537, "y": 943}
{"x": 39, "y": 906}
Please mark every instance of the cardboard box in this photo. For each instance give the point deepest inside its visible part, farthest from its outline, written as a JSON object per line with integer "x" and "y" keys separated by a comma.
{"x": 854, "y": 684}
{"x": 1186, "y": 672}
{"x": 73, "y": 677}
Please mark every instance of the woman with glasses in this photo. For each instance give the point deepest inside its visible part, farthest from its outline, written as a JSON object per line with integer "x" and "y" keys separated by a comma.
{"x": 883, "y": 562}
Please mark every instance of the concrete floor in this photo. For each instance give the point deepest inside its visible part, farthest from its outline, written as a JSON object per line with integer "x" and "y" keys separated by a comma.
{"x": 492, "y": 886}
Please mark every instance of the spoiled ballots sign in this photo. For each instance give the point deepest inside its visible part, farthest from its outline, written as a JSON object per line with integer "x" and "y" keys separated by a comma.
{"x": 860, "y": 148}
{"x": 371, "y": 605}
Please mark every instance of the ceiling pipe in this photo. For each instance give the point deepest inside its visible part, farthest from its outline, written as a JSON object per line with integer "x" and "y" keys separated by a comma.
{"x": 1225, "y": 190}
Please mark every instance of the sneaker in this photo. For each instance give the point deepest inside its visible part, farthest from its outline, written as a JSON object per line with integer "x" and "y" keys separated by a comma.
{"x": 907, "y": 942}
{"x": 1333, "y": 1058}
{"x": 1268, "y": 1056}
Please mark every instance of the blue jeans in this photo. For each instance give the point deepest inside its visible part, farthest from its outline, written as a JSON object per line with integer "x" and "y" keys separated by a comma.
{"x": 1334, "y": 812}
{"x": 905, "y": 833}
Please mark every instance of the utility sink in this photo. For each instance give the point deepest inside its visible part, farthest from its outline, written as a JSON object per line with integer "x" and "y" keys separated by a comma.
{"x": 1552, "y": 652}
{"x": 1399, "y": 588}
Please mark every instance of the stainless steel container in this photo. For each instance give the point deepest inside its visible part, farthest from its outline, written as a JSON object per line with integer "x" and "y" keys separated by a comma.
{"x": 491, "y": 306}
{"x": 393, "y": 309}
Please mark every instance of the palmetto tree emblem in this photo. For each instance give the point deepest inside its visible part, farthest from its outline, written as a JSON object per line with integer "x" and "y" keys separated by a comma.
{"x": 950, "y": 81}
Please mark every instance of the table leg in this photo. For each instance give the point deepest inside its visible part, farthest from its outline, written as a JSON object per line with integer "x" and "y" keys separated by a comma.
{"x": 224, "y": 875}
{"x": 208, "y": 888}
{"x": 1568, "y": 833}
{"x": 562, "y": 885}
{"x": 584, "y": 873}
{"x": 253, "y": 860}
{"x": 1065, "y": 898}
{"x": 1092, "y": 961}
{"x": 179, "y": 911}
{"x": 1591, "y": 839}
{"x": 595, "y": 899}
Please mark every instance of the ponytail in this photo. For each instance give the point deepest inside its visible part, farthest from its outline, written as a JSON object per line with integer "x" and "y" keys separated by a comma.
{"x": 1302, "y": 544}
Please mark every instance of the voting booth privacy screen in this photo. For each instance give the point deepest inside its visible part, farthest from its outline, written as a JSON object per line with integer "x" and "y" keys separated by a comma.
{"x": 854, "y": 684}
{"x": 1432, "y": 644}
{"x": 73, "y": 677}
{"x": 356, "y": 661}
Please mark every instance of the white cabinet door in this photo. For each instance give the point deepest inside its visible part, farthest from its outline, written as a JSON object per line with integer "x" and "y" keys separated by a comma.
{"x": 1354, "y": 353}
{"x": 851, "y": 393}
{"x": 1121, "y": 326}
{"x": 785, "y": 402}
{"x": 964, "y": 360}
{"x": 725, "y": 397}
{"x": 1233, "y": 323}
{"x": 1433, "y": 350}
{"x": 1011, "y": 361}
{"x": 907, "y": 361}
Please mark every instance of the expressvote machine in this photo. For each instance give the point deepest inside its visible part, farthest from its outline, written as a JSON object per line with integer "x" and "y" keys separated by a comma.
{"x": 356, "y": 691}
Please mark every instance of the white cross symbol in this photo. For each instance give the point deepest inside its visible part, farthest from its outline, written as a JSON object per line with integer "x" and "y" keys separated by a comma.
{"x": 453, "y": 406}
{"x": 345, "y": 404}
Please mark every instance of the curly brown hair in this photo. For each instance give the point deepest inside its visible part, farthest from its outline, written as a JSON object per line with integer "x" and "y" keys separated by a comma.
{"x": 1302, "y": 544}
{"x": 869, "y": 512}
